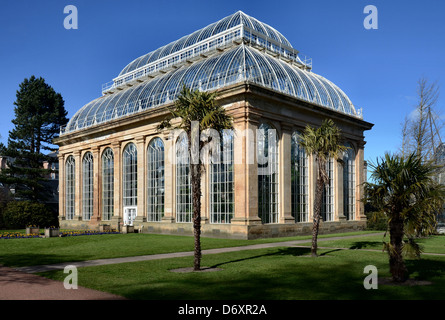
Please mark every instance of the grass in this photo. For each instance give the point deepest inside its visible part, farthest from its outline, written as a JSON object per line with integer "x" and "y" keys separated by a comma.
{"x": 434, "y": 244}
{"x": 38, "y": 251}
{"x": 265, "y": 274}
{"x": 280, "y": 273}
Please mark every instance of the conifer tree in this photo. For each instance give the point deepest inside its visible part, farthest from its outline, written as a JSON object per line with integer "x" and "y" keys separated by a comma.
{"x": 39, "y": 113}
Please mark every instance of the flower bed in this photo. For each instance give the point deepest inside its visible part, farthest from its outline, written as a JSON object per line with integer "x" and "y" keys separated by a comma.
{"x": 17, "y": 235}
{"x": 63, "y": 233}
{"x": 71, "y": 233}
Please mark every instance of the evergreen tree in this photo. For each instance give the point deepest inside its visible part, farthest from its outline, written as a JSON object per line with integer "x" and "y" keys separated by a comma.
{"x": 39, "y": 113}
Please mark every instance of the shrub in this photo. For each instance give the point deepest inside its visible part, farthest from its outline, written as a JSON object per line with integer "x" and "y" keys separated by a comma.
{"x": 19, "y": 214}
{"x": 376, "y": 221}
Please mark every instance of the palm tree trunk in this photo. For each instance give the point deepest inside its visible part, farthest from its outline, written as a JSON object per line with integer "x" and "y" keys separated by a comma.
{"x": 317, "y": 207}
{"x": 196, "y": 194}
{"x": 396, "y": 263}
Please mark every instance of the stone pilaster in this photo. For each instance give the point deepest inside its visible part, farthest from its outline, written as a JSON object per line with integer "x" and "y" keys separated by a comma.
{"x": 285, "y": 175}
{"x": 62, "y": 187}
{"x": 97, "y": 186}
{"x": 142, "y": 190}
{"x": 246, "y": 171}
{"x": 116, "y": 219}
{"x": 339, "y": 195}
{"x": 360, "y": 179}
{"x": 169, "y": 153}
{"x": 312, "y": 185}
{"x": 78, "y": 185}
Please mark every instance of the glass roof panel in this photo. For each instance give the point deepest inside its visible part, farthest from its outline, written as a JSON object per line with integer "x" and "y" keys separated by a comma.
{"x": 295, "y": 82}
{"x": 145, "y": 59}
{"x": 179, "y": 44}
{"x": 221, "y": 25}
{"x": 167, "y": 50}
{"x": 224, "y": 24}
{"x": 239, "y": 63}
{"x": 192, "y": 39}
{"x": 107, "y": 107}
{"x": 206, "y": 32}
{"x": 218, "y": 74}
{"x": 133, "y": 100}
{"x": 235, "y": 70}
{"x": 235, "y": 20}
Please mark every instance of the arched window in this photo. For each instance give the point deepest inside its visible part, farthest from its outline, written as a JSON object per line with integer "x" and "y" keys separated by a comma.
{"x": 349, "y": 182}
{"x": 183, "y": 183}
{"x": 87, "y": 186}
{"x": 221, "y": 182}
{"x": 267, "y": 157}
{"x": 107, "y": 184}
{"x": 155, "y": 180}
{"x": 300, "y": 180}
{"x": 327, "y": 209}
{"x": 70, "y": 184}
{"x": 129, "y": 172}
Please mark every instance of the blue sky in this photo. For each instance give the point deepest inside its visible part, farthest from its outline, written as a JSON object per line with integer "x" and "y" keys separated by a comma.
{"x": 377, "y": 69}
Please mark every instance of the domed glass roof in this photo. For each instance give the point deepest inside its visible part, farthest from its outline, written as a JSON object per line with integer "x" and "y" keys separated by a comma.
{"x": 236, "y": 19}
{"x": 241, "y": 63}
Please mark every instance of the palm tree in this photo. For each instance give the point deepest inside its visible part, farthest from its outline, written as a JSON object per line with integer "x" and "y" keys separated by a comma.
{"x": 197, "y": 111}
{"x": 323, "y": 143}
{"x": 406, "y": 192}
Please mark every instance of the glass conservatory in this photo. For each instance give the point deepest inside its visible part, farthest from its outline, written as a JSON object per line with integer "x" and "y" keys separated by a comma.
{"x": 264, "y": 186}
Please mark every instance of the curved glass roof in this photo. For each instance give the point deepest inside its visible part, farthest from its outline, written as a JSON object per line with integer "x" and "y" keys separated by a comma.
{"x": 238, "y": 18}
{"x": 241, "y": 63}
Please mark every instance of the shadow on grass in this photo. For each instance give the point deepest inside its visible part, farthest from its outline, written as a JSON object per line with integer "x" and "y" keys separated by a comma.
{"x": 284, "y": 251}
{"x": 366, "y": 245}
{"x": 294, "y": 279}
{"x": 31, "y": 259}
{"x": 276, "y": 274}
{"x": 279, "y": 283}
{"x": 426, "y": 269}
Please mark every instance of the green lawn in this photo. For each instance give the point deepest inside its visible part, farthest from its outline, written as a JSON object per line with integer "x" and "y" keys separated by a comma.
{"x": 279, "y": 273}
{"x": 37, "y": 251}
{"x": 266, "y": 274}
{"x": 435, "y": 244}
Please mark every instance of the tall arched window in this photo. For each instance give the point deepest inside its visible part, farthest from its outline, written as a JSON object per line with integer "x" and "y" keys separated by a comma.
{"x": 267, "y": 158}
{"x": 327, "y": 209}
{"x": 300, "y": 180}
{"x": 107, "y": 184}
{"x": 183, "y": 183}
{"x": 155, "y": 180}
{"x": 70, "y": 184}
{"x": 221, "y": 182}
{"x": 349, "y": 182}
{"x": 87, "y": 186}
{"x": 129, "y": 172}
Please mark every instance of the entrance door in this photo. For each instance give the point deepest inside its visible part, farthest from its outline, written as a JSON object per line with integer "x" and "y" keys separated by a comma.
{"x": 130, "y": 214}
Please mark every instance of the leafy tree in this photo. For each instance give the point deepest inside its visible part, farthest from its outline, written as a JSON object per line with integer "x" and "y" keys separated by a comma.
{"x": 20, "y": 214}
{"x": 197, "y": 110}
{"x": 39, "y": 113}
{"x": 323, "y": 143}
{"x": 406, "y": 193}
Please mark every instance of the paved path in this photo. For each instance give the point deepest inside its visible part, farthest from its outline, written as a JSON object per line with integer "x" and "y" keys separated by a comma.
{"x": 22, "y": 284}
{"x": 17, "y": 285}
{"x": 98, "y": 262}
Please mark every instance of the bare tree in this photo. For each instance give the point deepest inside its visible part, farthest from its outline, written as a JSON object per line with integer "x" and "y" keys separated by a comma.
{"x": 421, "y": 129}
